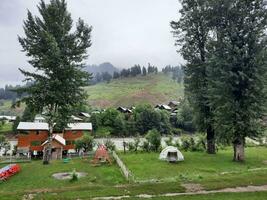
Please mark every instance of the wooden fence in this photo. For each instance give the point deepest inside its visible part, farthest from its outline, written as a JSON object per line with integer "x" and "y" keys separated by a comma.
{"x": 125, "y": 171}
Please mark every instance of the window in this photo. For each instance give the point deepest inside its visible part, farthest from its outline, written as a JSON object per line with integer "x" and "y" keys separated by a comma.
{"x": 35, "y": 143}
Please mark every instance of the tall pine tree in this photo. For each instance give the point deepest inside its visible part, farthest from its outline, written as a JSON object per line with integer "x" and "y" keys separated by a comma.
{"x": 238, "y": 75}
{"x": 56, "y": 53}
{"x": 192, "y": 33}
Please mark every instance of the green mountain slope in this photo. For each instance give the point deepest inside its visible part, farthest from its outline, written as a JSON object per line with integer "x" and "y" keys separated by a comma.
{"x": 152, "y": 89}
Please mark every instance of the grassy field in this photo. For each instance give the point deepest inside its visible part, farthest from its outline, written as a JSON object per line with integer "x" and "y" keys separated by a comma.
{"x": 5, "y": 128}
{"x": 5, "y": 108}
{"x": 198, "y": 168}
{"x": 36, "y": 178}
{"x": 211, "y": 171}
{"x": 152, "y": 89}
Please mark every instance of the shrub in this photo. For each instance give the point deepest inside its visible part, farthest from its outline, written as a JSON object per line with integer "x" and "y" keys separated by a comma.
{"x": 185, "y": 144}
{"x": 145, "y": 147}
{"x": 110, "y": 145}
{"x": 154, "y": 139}
{"x": 131, "y": 146}
{"x": 176, "y": 131}
{"x": 169, "y": 141}
{"x": 74, "y": 176}
{"x": 136, "y": 143}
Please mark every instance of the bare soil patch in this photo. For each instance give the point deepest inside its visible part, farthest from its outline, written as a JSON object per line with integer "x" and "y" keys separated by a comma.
{"x": 67, "y": 175}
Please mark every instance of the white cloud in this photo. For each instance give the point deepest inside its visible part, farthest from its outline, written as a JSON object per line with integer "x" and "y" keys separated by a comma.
{"x": 125, "y": 32}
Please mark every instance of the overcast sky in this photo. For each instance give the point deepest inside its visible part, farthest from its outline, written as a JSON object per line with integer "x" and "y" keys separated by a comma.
{"x": 125, "y": 32}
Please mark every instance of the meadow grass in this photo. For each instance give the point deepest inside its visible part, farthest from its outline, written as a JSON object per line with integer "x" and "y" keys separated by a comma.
{"x": 153, "y": 88}
{"x": 211, "y": 171}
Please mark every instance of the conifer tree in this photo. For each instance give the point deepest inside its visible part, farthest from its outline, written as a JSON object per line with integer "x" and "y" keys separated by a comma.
{"x": 238, "y": 86}
{"x": 56, "y": 51}
{"x": 192, "y": 33}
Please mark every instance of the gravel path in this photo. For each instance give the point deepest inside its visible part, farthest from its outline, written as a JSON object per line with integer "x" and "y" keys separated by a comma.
{"x": 226, "y": 190}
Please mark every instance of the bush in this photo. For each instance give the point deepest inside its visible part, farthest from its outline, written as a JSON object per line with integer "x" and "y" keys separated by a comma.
{"x": 145, "y": 147}
{"x": 193, "y": 143}
{"x": 185, "y": 144}
{"x": 86, "y": 143}
{"x": 154, "y": 139}
{"x": 110, "y": 145}
{"x": 136, "y": 143}
{"x": 131, "y": 146}
{"x": 169, "y": 141}
{"x": 74, "y": 176}
{"x": 176, "y": 131}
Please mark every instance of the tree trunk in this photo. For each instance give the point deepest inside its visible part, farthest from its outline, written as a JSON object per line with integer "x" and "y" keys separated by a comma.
{"x": 211, "y": 147}
{"x": 48, "y": 149}
{"x": 239, "y": 149}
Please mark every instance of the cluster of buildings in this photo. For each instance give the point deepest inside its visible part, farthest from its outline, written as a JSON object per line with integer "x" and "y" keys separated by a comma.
{"x": 32, "y": 137}
{"x": 171, "y": 107}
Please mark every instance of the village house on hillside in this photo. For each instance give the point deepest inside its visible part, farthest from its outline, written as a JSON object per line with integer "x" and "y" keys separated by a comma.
{"x": 33, "y": 136}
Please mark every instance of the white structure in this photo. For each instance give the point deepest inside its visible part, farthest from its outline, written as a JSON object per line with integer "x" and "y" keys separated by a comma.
{"x": 171, "y": 154}
{"x": 8, "y": 118}
{"x": 39, "y": 119}
{"x": 84, "y": 114}
{"x": 29, "y": 126}
{"x": 44, "y": 126}
{"x": 13, "y": 142}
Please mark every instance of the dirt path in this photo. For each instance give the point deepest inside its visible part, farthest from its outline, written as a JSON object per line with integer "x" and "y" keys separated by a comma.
{"x": 188, "y": 188}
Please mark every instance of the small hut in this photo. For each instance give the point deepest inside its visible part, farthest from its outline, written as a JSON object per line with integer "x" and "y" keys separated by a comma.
{"x": 101, "y": 155}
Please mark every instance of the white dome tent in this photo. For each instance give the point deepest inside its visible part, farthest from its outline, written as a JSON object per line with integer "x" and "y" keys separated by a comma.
{"x": 171, "y": 154}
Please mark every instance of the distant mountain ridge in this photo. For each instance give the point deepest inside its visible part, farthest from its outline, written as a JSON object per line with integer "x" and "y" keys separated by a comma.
{"x": 104, "y": 67}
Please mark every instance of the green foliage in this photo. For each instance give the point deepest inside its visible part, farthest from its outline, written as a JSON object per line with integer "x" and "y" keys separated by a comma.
{"x": 74, "y": 176}
{"x": 197, "y": 143}
{"x": 131, "y": 91}
{"x": 238, "y": 78}
{"x": 28, "y": 114}
{"x": 56, "y": 50}
{"x": 110, "y": 145}
{"x": 15, "y": 124}
{"x": 131, "y": 146}
{"x": 86, "y": 143}
{"x": 193, "y": 33}
{"x": 184, "y": 117}
{"x": 154, "y": 139}
{"x": 145, "y": 146}
{"x": 169, "y": 141}
{"x": 147, "y": 118}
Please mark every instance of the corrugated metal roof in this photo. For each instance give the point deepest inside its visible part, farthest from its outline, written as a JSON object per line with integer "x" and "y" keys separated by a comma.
{"x": 58, "y": 138}
{"x": 85, "y": 114}
{"x": 79, "y": 126}
{"x": 32, "y": 126}
{"x": 44, "y": 126}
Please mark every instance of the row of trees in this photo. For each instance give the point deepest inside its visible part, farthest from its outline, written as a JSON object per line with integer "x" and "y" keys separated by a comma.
{"x": 134, "y": 71}
{"x": 143, "y": 119}
{"x": 224, "y": 45}
{"x": 177, "y": 72}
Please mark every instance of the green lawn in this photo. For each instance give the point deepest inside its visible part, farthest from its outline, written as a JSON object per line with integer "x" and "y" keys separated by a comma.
{"x": 152, "y": 89}
{"x": 7, "y": 127}
{"x": 201, "y": 168}
{"x": 5, "y": 108}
